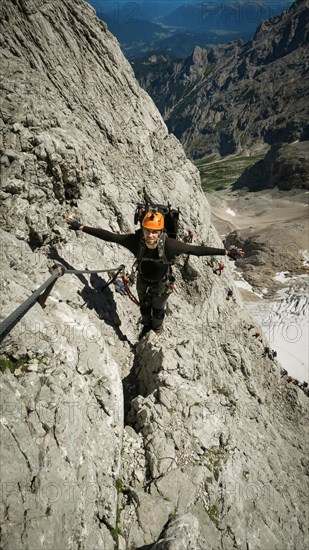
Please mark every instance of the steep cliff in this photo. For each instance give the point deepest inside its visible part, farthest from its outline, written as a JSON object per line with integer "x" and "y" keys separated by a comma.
{"x": 238, "y": 96}
{"x": 191, "y": 440}
{"x": 285, "y": 166}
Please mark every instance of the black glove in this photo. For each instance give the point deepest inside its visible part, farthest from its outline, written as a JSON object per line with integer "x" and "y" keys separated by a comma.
{"x": 235, "y": 253}
{"x": 74, "y": 224}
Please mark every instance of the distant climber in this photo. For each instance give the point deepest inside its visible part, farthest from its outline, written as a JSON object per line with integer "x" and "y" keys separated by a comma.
{"x": 270, "y": 353}
{"x": 118, "y": 284}
{"x": 155, "y": 252}
{"x": 189, "y": 238}
{"x": 219, "y": 269}
{"x": 230, "y": 294}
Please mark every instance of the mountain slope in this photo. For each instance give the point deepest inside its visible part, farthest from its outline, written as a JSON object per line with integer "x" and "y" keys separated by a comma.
{"x": 194, "y": 436}
{"x": 238, "y": 96}
{"x": 285, "y": 167}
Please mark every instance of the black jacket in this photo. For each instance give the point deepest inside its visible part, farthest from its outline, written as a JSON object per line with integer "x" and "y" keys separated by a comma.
{"x": 153, "y": 271}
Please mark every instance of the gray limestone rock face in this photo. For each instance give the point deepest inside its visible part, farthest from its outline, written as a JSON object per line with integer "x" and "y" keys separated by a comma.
{"x": 207, "y": 435}
{"x": 192, "y": 439}
{"x": 181, "y": 533}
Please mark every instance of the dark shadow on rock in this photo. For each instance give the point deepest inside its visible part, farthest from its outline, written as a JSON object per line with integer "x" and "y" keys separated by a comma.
{"x": 97, "y": 296}
{"x": 130, "y": 391}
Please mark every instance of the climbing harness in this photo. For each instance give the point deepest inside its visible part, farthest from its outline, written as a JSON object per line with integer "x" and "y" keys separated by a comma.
{"x": 114, "y": 276}
{"x": 123, "y": 283}
{"x": 125, "y": 280}
{"x": 162, "y": 259}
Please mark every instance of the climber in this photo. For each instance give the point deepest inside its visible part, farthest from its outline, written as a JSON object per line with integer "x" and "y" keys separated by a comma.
{"x": 155, "y": 252}
{"x": 119, "y": 286}
{"x": 229, "y": 294}
{"x": 266, "y": 351}
{"x": 218, "y": 270}
{"x": 189, "y": 238}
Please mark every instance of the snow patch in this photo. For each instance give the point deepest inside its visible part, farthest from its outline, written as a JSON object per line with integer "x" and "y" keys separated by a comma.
{"x": 281, "y": 277}
{"x": 284, "y": 319}
{"x": 285, "y": 324}
{"x": 240, "y": 282}
{"x": 230, "y": 212}
{"x": 243, "y": 284}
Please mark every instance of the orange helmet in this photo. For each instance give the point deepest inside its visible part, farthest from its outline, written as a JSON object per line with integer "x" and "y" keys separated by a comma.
{"x": 153, "y": 221}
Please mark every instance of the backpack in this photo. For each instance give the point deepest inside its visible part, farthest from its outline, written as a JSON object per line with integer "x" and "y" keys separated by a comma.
{"x": 171, "y": 217}
{"x": 171, "y": 220}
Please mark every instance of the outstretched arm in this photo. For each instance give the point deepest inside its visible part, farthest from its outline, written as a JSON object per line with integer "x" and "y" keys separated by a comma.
{"x": 126, "y": 240}
{"x": 175, "y": 247}
{"x": 107, "y": 236}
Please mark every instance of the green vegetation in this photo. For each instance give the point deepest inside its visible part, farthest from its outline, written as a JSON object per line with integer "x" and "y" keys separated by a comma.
{"x": 248, "y": 93}
{"x": 210, "y": 67}
{"x": 231, "y": 404}
{"x": 212, "y": 512}
{"x": 183, "y": 94}
{"x": 119, "y": 486}
{"x": 116, "y": 531}
{"x": 222, "y": 124}
{"x": 223, "y": 391}
{"x": 207, "y": 160}
{"x": 121, "y": 490}
{"x": 221, "y": 173}
{"x": 12, "y": 364}
{"x": 215, "y": 457}
{"x": 21, "y": 364}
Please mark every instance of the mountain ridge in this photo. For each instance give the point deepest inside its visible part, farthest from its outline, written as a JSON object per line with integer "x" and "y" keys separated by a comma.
{"x": 234, "y": 98}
